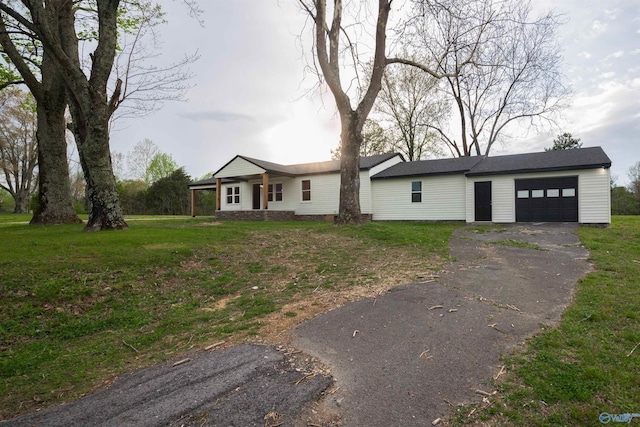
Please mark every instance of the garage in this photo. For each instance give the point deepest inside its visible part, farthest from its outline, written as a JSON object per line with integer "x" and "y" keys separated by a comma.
{"x": 547, "y": 199}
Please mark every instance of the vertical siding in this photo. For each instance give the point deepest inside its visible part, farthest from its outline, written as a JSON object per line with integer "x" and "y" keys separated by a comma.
{"x": 594, "y": 196}
{"x": 239, "y": 167}
{"x": 443, "y": 199}
{"x": 594, "y": 199}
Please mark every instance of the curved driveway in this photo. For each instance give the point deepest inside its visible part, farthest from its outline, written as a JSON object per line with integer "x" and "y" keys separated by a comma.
{"x": 402, "y": 359}
{"x": 398, "y": 360}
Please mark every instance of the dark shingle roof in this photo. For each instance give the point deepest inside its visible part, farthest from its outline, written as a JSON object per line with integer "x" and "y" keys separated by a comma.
{"x": 429, "y": 167}
{"x": 582, "y": 158}
{"x": 317, "y": 167}
{"x": 208, "y": 181}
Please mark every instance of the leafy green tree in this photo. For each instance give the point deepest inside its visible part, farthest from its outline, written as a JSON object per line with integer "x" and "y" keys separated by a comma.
{"x": 623, "y": 202}
{"x": 565, "y": 141}
{"x": 161, "y": 166}
{"x": 170, "y": 195}
{"x": 133, "y": 196}
{"x": 6, "y": 201}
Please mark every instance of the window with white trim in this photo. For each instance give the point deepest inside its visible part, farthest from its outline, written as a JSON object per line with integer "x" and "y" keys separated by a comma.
{"x": 306, "y": 190}
{"x": 568, "y": 192}
{"x": 416, "y": 191}
{"x": 537, "y": 194}
{"x": 233, "y": 195}
{"x": 523, "y": 194}
{"x": 275, "y": 192}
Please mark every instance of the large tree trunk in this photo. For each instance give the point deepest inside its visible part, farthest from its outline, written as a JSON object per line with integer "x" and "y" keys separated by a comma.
{"x": 56, "y": 205}
{"x": 22, "y": 202}
{"x": 91, "y": 109}
{"x": 351, "y": 140}
{"x": 105, "y": 211}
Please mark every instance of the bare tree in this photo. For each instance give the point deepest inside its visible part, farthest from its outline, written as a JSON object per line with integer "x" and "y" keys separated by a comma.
{"x": 147, "y": 83}
{"x": 336, "y": 49}
{"x": 18, "y": 146}
{"x": 139, "y": 159}
{"x": 634, "y": 180}
{"x": 329, "y": 33}
{"x": 411, "y": 105}
{"x": 516, "y": 77}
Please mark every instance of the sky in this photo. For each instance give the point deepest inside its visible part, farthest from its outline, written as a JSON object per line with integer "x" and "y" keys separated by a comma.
{"x": 250, "y": 93}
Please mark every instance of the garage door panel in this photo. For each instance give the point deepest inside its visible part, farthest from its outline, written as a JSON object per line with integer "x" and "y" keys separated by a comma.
{"x": 547, "y": 200}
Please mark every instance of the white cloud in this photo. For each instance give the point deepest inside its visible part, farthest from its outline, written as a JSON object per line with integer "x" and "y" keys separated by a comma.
{"x": 607, "y": 75}
{"x": 585, "y": 55}
{"x": 612, "y": 13}
{"x": 598, "y": 27}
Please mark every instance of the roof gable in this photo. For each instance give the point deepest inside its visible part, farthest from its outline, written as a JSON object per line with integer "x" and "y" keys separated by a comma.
{"x": 247, "y": 166}
{"x": 239, "y": 166}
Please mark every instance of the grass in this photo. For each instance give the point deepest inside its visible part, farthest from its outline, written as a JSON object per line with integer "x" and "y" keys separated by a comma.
{"x": 77, "y": 309}
{"x": 568, "y": 375}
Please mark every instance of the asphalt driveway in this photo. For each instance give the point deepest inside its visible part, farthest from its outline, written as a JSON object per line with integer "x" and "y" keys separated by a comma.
{"x": 404, "y": 358}
{"x": 398, "y": 360}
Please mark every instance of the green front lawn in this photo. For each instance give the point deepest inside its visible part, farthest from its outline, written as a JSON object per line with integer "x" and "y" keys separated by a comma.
{"x": 78, "y": 309}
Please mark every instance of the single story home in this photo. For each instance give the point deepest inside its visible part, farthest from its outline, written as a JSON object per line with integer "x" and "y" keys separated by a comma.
{"x": 551, "y": 186}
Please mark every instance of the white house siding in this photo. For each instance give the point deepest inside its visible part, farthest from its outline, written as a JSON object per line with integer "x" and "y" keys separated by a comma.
{"x": 365, "y": 192}
{"x": 594, "y": 198}
{"x": 245, "y": 197}
{"x": 239, "y": 167}
{"x": 443, "y": 199}
{"x": 325, "y": 195}
{"x": 290, "y": 193}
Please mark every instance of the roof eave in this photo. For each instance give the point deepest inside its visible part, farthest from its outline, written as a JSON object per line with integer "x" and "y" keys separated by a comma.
{"x": 411, "y": 175}
{"x": 535, "y": 170}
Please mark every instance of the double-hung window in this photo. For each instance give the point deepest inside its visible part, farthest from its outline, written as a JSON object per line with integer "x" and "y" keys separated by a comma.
{"x": 416, "y": 192}
{"x": 275, "y": 192}
{"x": 233, "y": 195}
{"x": 306, "y": 190}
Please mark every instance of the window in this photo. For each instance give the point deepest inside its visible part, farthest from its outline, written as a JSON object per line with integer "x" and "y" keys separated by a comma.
{"x": 306, "y": 190}
{"x": 553, "y": 192}
{"x": 568, "y": 192}
{"x": 416, "y": 191}
{"x": 233, "y": 195}
{"x": 523, "y": 194}
{"x": 536, "y": 194}
{"x": 278, "y": 192}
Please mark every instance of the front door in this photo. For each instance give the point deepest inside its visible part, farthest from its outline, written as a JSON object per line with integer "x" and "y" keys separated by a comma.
{"x": 256, "y": 196}
{"x": 482, "y": 193}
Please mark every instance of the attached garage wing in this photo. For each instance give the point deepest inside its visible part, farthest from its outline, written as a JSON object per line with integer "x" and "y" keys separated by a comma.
{"x": 547, "y": 199}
